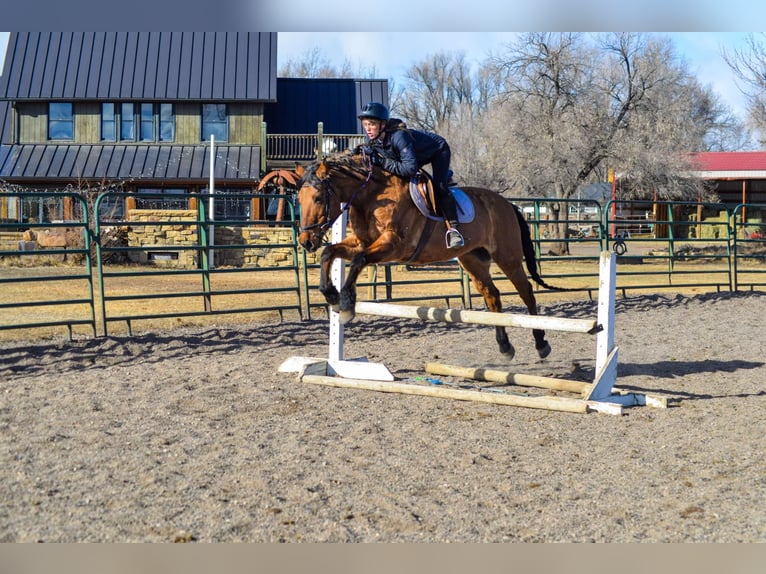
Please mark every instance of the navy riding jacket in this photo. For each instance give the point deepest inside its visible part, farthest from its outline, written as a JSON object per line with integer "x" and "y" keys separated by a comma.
{"x": 404, "y": 151}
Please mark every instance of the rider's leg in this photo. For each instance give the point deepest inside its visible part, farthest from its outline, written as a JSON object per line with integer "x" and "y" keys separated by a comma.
{"x": 448, "y": 208}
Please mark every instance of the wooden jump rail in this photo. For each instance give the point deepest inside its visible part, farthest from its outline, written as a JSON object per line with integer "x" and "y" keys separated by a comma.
{"x": 600, "y": 395}
{"x": 479, "y": 317}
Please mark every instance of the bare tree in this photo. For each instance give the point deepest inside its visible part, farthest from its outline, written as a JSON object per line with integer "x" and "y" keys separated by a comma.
{"x": 434, "y": 89}
{"x": 314, "y": 64}
{"x": 749, "y": 67}
{"x": 578, "y": 107}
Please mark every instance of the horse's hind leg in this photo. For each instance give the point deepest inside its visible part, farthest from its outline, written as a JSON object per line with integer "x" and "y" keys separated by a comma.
{"x": 524, "y": 288}
{"x": 477, "y": 268}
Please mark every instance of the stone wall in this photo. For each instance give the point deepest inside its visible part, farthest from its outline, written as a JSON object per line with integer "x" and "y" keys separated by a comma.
{"x": 158, "y": 240}
{"x": 158, "y": 233}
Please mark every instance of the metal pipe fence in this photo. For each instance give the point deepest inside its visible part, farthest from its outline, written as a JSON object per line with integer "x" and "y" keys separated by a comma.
{"x": 749, "y": 246}
{"x": 201, "y": 266}
{"x": 65, "y": 298}
{"x": 212, "y": 266}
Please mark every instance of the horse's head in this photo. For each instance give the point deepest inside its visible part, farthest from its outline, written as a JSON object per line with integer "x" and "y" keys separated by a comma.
{"x": 314, "y": 201}
{"x": 320, "y": 198}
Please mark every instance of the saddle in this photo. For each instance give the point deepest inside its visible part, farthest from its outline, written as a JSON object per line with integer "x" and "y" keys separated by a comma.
{"x": 422, "y": 194}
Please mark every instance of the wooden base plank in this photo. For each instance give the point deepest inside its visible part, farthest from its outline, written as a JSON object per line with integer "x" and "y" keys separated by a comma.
{"x": 563, "y": 404}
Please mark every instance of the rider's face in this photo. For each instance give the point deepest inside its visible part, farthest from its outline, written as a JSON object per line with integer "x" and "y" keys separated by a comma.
{"x": 372, "y": 127}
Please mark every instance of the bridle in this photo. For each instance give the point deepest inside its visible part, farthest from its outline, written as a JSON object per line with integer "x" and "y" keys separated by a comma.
{"x": 329, "y": 192}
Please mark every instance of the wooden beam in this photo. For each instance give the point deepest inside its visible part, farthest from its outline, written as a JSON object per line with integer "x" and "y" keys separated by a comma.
{"x": 564, "y": 404}
{"x": 495, "y": 376}
{"x": 478, "y": 317}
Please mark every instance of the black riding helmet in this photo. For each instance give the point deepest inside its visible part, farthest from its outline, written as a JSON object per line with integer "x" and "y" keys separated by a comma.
{"x": 374, "y": 110}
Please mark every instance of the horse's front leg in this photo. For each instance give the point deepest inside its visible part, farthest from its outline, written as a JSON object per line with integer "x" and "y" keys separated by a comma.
{"x": 378, "y": 252}
{"x": 345, "y": 249}
{"x": 347, "y": 305}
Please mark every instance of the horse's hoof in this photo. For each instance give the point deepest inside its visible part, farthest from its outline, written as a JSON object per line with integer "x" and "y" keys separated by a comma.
{"x": 508, "y": 351}
{"x": 346, "y": 315}
{"x": 544, "y": 351}
{"x": 332, "y": 299}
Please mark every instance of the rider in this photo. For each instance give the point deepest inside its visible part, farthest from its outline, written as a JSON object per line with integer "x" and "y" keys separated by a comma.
{"x": 403, "y": 151}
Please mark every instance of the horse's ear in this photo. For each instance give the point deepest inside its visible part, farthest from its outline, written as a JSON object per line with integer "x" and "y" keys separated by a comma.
{"x": 321, "y": 171}
{"x": 300, "y": 170}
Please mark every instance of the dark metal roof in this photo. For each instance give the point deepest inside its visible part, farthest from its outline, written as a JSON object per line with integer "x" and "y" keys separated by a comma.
{"x": 224, "y": 66}
{"x": 127, "y": 162}
{"x": 336, "y": 102}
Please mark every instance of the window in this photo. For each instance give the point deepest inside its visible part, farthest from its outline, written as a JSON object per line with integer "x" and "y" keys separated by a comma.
{"x": 215, "y": 122}
{"x": 147, "y": 122}
{"x": 127, "y": 122}
{"x": 144, "y": 122}
{"x": 162, "y": 198}
{"x": 229, "y": 206}
{"x": 108, "y": 122}
{"x": 60, "y": 121}
{"x": 111, "y": 208}
{"x": 167, "y": 123}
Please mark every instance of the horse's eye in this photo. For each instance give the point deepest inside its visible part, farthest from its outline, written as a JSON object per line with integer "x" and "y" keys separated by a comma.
{"x": 318, "y": 199}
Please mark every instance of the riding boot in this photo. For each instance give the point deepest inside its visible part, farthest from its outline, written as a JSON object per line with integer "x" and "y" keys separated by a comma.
{"x": 449, "y": 212}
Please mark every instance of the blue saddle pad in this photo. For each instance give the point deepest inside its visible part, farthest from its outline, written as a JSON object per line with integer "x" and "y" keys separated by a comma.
{"x": 465, "y": 210}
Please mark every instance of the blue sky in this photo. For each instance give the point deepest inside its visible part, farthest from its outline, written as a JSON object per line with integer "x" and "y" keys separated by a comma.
{"x": 391, "y": 53}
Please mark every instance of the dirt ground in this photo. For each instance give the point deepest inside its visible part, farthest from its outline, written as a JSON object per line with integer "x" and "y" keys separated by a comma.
{"x": 193, "y": 434}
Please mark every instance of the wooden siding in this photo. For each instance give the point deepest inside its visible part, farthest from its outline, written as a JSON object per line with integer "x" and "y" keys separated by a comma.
{"x": 188, "y": 123}
{"x": 245, "y": 121}
{"x": 33, "y": 122}
{"x": 87, "y": 124}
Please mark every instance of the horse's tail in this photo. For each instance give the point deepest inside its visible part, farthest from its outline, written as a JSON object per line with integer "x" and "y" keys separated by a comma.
{"x": 529, "y": 252}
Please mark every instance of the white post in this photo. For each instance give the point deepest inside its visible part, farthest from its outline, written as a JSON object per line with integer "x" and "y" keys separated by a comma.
{"x": 606, "y": 300}
{"x": 337, "y": 277}
{"x": 211, "y": 204}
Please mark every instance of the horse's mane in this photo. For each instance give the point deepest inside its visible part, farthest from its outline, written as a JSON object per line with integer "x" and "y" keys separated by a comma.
{"x": 348, "y": 162}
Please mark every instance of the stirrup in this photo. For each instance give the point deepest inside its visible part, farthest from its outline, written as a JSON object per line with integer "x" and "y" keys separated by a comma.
{"x": 453, "y": 238}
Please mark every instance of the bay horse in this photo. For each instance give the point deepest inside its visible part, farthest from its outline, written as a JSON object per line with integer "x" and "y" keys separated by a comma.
{"x": 388, "y": 228}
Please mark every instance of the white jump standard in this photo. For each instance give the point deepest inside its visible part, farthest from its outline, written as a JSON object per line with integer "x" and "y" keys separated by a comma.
{"x": 600, "y": 395}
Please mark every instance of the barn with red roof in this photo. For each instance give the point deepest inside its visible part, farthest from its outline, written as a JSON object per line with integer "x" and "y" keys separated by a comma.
{"x": 737, "y": 176}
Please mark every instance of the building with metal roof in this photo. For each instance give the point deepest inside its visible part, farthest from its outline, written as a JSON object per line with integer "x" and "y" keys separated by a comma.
{"x": 136, "y": 108}
{"x": 136, "y": 111}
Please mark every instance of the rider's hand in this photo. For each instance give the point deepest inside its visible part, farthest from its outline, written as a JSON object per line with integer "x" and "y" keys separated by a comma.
{"x": 365, "y": 150}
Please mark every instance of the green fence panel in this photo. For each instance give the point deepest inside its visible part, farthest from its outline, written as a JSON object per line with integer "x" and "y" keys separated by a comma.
{"x": 46, "y": 277}
{"x": 686, "y": 243}
{"x": 212, "y": 266}
{"x": 206, "y": 266}
{"x": 749, "y": 246}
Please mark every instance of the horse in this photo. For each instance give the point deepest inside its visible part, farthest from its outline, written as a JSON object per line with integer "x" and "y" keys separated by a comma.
{"x": 389, "y": 228}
